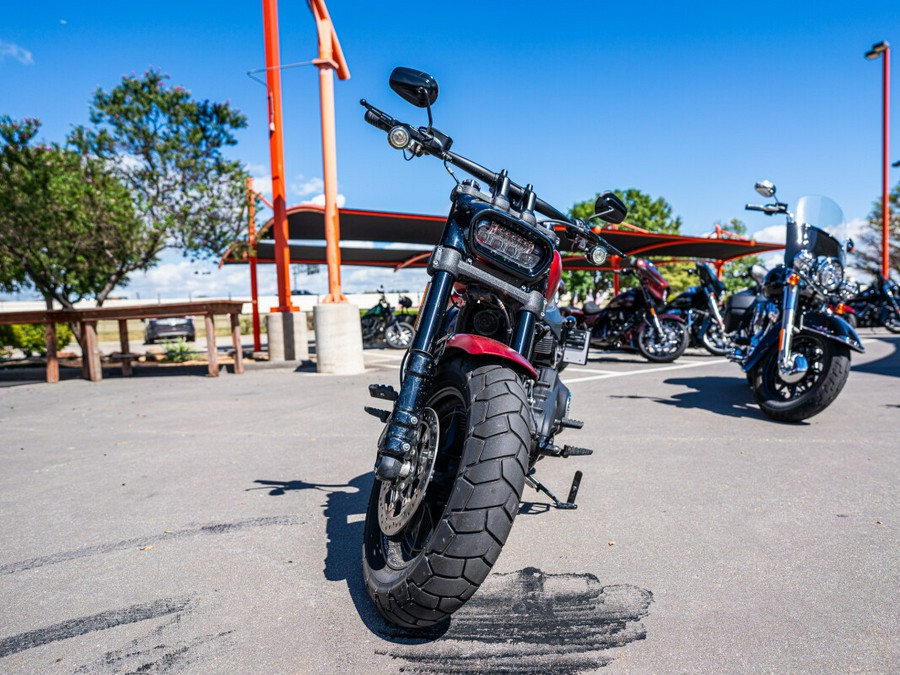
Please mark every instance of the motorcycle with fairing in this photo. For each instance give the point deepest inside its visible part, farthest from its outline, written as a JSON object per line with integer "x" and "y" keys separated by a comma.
{"x": 636, "y": 319}
{"x": 700, "y": 307}
{"x": 793, "y": 347}
{"x": 480, "y": 399}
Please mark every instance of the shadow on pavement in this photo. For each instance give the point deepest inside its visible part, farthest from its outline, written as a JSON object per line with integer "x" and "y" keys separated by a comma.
{"x": 514, "y": 621}
{"x": 888, "y": 365}
{"x": 343, "y": 559}
{"x": 729, "y": 396}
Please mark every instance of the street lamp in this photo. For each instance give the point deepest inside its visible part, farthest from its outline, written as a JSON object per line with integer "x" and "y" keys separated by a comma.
{"x": 883, "y": 49}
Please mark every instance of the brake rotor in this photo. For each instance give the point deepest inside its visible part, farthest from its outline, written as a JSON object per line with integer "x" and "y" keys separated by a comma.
{"x": 399, "y": 499}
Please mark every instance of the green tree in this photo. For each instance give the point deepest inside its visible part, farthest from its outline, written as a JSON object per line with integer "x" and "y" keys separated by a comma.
{"x": 868, "y": 250}
{"x": 66, "y": 223}
{"x": 733, "y": 272}
{"x": 167, "y": 148}
{"x": 644, "y": 211}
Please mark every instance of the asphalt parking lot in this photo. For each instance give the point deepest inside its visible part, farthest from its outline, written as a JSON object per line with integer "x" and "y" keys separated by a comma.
{"x": 179, "y": 523}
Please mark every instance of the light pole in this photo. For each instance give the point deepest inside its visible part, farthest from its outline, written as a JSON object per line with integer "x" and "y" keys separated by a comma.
{"x": 883, "y": 49}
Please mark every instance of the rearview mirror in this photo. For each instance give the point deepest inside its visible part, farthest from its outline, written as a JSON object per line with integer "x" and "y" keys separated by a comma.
{"x": 414, "y": 86}
{"x": 765, "y": 188}
{"x": 610, "y": 208}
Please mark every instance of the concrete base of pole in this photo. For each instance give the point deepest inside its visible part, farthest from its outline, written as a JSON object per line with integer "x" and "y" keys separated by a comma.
{"x": 288, "y": 336}
{"x": 339, "y": 349}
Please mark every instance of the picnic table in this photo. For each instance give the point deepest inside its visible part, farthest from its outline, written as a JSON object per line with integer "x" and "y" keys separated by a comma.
{"x": 86, "y": 321}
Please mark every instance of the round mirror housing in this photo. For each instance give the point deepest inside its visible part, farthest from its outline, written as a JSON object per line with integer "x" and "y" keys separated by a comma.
{"x": 765, "y": 188}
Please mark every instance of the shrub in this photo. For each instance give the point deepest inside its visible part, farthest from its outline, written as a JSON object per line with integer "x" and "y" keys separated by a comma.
{"x": 178, "y": 351}
{"x": 30, "y": 337}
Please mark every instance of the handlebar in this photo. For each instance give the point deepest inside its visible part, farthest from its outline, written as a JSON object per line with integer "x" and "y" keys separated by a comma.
{"x": 434, "y": 146}
{"x": 768, "y": 209}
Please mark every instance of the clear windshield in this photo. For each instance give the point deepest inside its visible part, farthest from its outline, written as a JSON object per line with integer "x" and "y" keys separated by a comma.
{"x": 816, "y": 216}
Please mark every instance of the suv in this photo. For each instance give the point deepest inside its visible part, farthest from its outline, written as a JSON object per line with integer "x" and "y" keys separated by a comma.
{"x": 158, "y": 329}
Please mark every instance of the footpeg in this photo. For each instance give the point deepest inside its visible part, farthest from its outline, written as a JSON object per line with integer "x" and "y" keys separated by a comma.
{"x": 573, "y": 491}
{"x": 383, "y": 391}
{"x": 383, "y": 415}
{"x": 572, "y": 451}
{"x": 568, "y": 423}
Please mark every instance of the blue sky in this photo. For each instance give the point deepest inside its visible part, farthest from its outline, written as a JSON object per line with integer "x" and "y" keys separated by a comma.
{"x": 692, "y": 102}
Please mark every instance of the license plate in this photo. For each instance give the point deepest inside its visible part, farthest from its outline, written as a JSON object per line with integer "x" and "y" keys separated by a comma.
{"x": 576, "y": 348}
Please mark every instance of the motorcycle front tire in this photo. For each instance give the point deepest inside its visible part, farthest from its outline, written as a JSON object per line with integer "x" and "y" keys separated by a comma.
{"x": 423, "y": 573}
{"x": 714, "y": 340}
{"x": 892, "y": 321}
{"x": 649, "y": 341}
{"x": 795, "y": 403}
{"x": 399, "y": 335}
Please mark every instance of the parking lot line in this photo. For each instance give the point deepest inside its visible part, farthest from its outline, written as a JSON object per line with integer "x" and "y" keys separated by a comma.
{"x": 646, "y": 370}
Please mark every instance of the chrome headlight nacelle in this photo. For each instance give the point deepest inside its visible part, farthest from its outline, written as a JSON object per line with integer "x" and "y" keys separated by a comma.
{"x": 829, "y": 274}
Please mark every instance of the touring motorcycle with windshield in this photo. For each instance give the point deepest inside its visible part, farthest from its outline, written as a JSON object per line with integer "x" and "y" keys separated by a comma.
{"x": 700, "y": 307}
{"x": 636, "y": 319}
{"x": 794, "y": 349}
{"x": 480, "y": 399}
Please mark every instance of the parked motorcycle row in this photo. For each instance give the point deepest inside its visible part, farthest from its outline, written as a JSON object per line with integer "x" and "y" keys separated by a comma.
{"x": 481, "y": 401}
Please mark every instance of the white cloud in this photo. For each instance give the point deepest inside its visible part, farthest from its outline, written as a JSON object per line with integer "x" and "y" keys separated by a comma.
{"x": 319, "y": 200}
{"x": 305, "y": 187}
{"x": 16, "y": 52}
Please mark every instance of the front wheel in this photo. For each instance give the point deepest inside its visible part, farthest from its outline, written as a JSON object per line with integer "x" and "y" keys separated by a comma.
{"x": 665, "y": 346}
{"x": 399, "y": 335}
{"x": 892, "y": 321}
{"x": 715, "y": 340}
{"x": 432, "y": 537}
{"x": 829, "y": 367}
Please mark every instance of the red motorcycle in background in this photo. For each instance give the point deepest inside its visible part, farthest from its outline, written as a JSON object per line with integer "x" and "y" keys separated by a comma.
{"x": 633, "y": 320}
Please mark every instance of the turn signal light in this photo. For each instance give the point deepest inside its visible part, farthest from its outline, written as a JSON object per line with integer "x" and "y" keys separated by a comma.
{"x": 794, "y": 279}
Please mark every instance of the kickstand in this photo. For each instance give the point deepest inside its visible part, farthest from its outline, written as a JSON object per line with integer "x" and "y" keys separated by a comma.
{"x": 540, "y": 487}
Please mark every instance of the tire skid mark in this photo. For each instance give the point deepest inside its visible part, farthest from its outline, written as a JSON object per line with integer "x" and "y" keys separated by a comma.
{"x": 528, "y": 622}
{"x": 214, "y": 528}
{"x": 90, "y": 624}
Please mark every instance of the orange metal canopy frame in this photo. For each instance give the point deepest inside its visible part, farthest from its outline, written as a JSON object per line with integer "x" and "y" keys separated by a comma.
{"x": 400, "y": 230}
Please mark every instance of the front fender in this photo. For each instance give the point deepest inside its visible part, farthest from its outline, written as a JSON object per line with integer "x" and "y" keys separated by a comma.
{"x": 478, "y": 345}
{"x": 832, "y": 327}
{"x": 767, "y": 342}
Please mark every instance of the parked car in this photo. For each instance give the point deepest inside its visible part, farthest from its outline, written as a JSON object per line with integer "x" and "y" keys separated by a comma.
{"x": 163, "y": 329}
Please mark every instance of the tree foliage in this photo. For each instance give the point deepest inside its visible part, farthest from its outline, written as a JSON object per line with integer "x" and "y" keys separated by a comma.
{"x": 66, "y": 223}
{"x": 644, "y": 211}
{"x": 868, "y": 250}
{"x": 167, "y": 148}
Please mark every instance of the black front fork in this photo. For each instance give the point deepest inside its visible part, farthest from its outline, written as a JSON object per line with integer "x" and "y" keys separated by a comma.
{"x": 402, "y": 426}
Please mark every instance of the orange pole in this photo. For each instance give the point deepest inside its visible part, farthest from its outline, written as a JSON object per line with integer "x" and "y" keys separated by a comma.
{"x": 254, "y": 289}
{"x": 330, "y": 58}
{"x": 276, "y": 152}
{"x": 885, "y": 192}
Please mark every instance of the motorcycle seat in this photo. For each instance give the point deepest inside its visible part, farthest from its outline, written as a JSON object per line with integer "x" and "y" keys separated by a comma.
{"x": 590, "y": 307}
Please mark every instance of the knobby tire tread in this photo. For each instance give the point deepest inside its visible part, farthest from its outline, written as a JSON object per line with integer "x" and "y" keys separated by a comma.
{"x": 480, "y": 511}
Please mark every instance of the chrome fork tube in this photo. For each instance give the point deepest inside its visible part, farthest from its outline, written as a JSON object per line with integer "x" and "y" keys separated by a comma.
{"x": 788, "y": 315}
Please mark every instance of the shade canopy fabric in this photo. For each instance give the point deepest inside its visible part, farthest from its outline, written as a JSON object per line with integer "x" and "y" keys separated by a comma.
{"x": 402, "y": 237}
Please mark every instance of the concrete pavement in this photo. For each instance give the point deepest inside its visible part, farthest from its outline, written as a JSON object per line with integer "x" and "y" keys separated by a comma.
{"x": 188, "y": 524}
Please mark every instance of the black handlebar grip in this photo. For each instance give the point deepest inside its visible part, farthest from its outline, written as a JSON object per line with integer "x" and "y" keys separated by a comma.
{"x": 381, "y": 122}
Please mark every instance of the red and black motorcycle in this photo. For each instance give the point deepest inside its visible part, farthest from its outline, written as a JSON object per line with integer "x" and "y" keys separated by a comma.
{"x": 636, "y": 319}
{"x": 480, "y": 399}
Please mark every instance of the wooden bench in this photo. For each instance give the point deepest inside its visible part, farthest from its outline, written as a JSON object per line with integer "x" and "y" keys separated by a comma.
{"x": 86, "y": 320}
